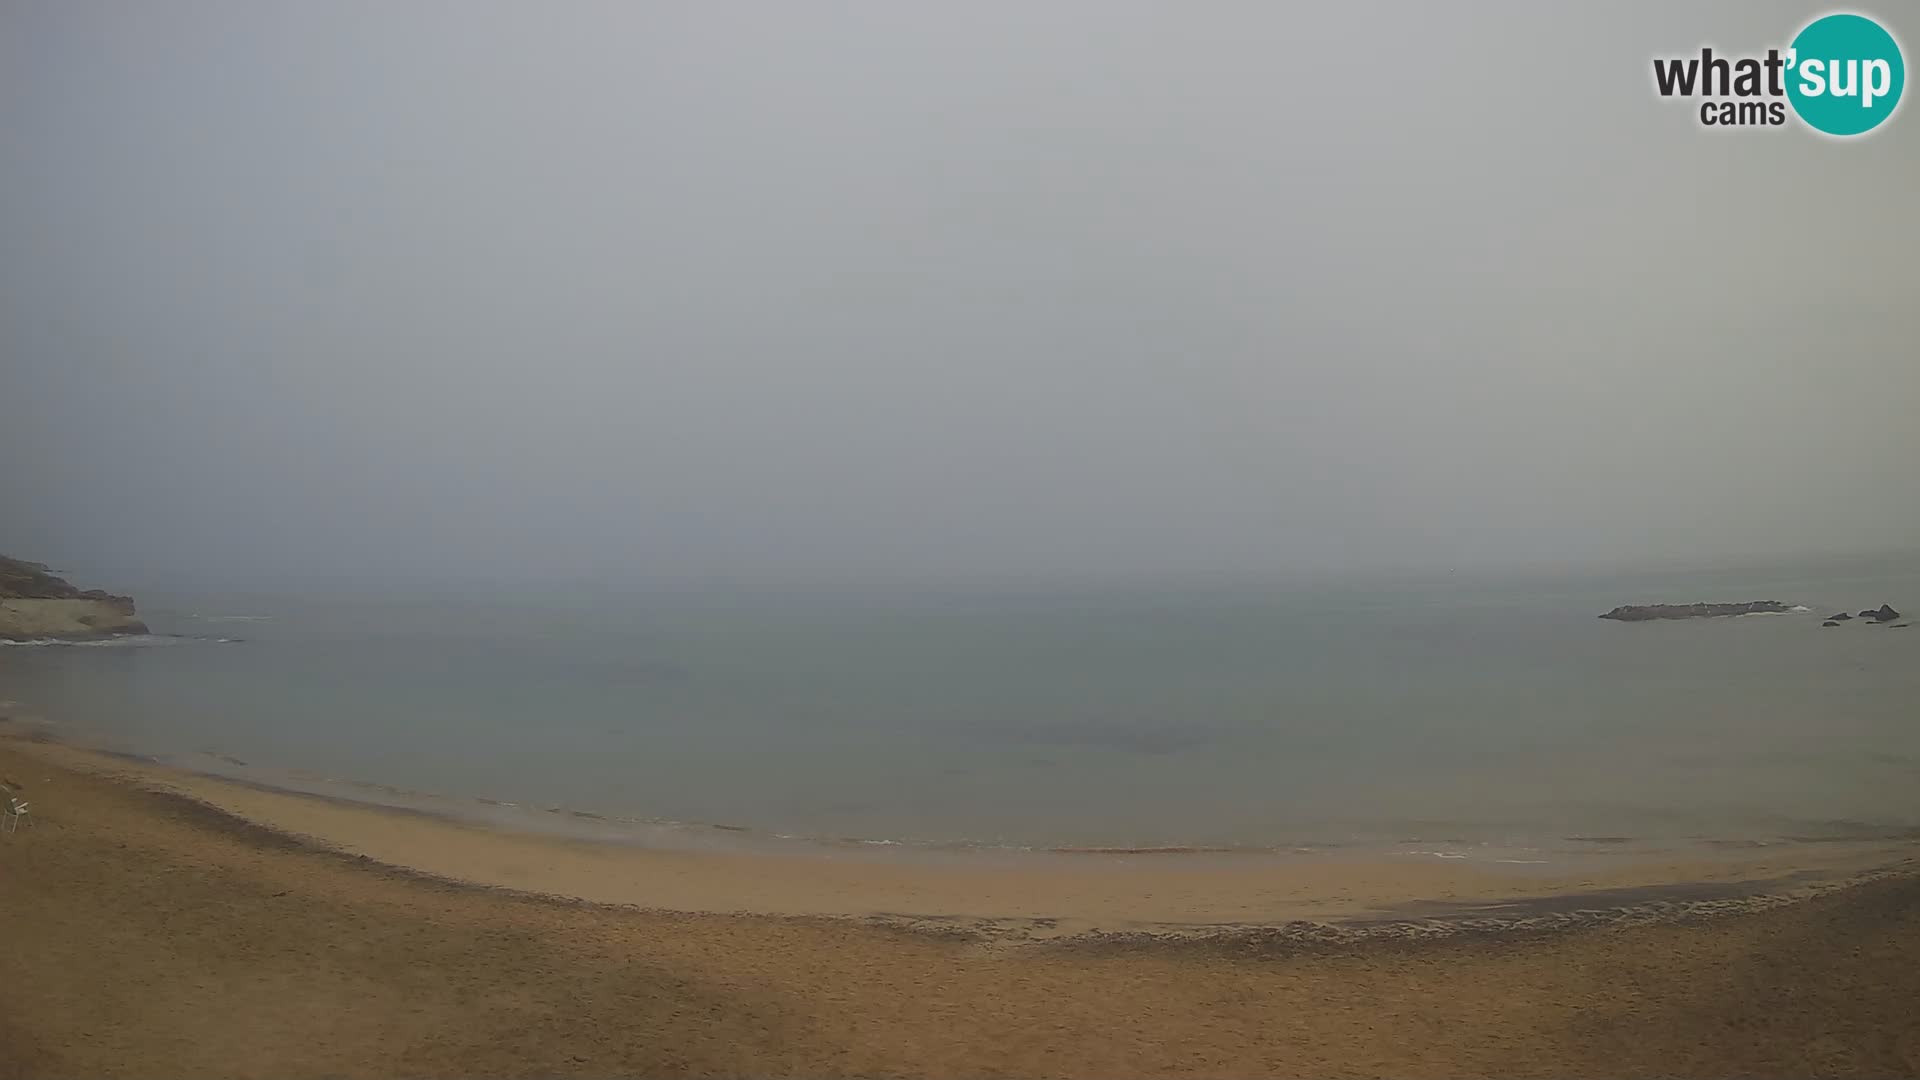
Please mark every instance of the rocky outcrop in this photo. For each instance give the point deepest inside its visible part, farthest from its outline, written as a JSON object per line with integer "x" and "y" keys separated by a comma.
{"x": 1646, "y": 612}
{"x": 1882, "y": 614}
{"x": 36, "y": 604}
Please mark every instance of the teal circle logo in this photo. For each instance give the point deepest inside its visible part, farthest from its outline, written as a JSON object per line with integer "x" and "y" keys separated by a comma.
{"x": 1845, "y": 74}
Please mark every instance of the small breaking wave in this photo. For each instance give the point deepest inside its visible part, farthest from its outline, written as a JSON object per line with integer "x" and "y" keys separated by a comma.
{"x": 125, "y": 641}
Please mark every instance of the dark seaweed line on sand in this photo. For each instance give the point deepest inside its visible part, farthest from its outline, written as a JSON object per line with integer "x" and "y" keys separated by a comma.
{"x": 1438, "y": 921}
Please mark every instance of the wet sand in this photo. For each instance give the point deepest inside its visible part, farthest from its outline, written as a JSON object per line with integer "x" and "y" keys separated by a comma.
{"x": 161, "y": 924}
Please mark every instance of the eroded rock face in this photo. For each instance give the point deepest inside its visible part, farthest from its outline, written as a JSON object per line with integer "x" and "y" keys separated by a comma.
{"x": 35, "y": 604}
{"x": 1645, "y": 612}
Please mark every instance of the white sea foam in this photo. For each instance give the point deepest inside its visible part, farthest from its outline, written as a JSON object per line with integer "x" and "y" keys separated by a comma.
{"x": 123, "y": 641}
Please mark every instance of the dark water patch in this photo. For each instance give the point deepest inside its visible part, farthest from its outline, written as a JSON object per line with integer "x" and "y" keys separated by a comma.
{"x": 118, "y": 755}
{"x": 1134, "y": 737}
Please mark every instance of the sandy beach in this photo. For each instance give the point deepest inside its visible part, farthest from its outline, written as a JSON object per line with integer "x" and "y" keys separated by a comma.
{"x": 166, "y": 924}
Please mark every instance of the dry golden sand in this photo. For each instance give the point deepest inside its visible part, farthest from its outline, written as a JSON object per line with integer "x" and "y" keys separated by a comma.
{"x": 149, "y": 934}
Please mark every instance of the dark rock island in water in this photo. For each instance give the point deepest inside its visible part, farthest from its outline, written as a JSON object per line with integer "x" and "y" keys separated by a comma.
{"x": 1646, "y": 612}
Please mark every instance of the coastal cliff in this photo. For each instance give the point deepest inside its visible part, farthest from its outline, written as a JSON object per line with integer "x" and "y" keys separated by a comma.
{"x": 35, "y": 604}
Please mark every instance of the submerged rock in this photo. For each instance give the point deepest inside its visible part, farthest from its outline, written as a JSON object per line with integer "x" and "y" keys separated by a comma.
{"x": 1829, "y": 622}
{"x": 1886, "y": 613}
{"x": 1840, "y": 618}
{"x": 1645, "y": 612}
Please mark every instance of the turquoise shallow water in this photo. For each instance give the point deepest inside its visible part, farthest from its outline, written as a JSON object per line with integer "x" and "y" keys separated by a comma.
{"x": 1450, "y": 712}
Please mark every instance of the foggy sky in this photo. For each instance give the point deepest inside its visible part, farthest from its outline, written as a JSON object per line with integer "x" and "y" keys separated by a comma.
{"x": 883, "y": 291}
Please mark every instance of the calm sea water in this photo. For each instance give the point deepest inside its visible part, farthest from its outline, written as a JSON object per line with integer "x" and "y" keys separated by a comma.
{"x": 1453, "y": 711}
